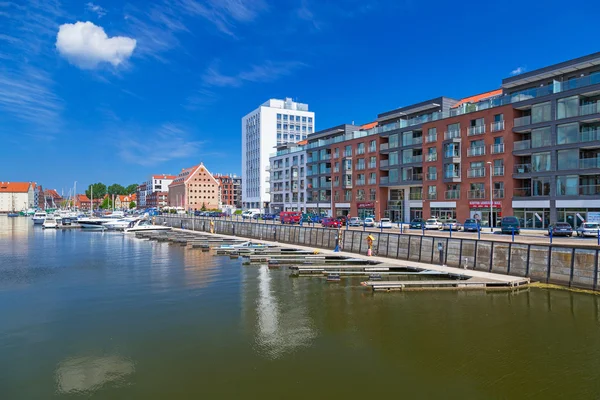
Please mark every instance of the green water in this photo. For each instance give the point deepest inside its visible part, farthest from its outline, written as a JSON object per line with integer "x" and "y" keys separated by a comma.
{"x": 108, "y": 316}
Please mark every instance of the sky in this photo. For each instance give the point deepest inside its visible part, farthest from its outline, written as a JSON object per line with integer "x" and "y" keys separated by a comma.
{"x": 113, "y": 91}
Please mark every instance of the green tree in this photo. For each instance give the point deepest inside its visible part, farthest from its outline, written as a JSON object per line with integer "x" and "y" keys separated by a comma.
{"x": 106, "y": 203}
{"x": 99, "y": 190}
{"x": 116, "y": 189}
{"x": 132, "y": 205}
{"x": 203, "y": 207}
{"x": 131, "y": 189}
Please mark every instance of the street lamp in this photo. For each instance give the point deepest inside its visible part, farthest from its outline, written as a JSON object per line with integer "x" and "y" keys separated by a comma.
{"x": 491, "y": 199}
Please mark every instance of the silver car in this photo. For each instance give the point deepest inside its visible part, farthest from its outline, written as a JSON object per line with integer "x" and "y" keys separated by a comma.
{"x": 588, "y": 229}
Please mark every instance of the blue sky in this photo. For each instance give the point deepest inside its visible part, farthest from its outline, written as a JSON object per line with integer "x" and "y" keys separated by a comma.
{"x": 113, "y": 91}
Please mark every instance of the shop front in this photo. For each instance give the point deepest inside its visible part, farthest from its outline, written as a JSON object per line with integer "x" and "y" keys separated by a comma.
{"x": 394, "y": 211}
{"x": 480, "y": 210}
{"x": 342, "y": 209}
{"x": 533, "y": 218}
{"x": 577, "y": 216}
{"x": 366, "y": 210}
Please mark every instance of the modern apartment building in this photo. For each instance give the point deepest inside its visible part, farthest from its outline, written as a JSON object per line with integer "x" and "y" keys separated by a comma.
{"x": 273, "y": 123}
{"x": 288, "y": 178}
{"x": 230, "y": 190}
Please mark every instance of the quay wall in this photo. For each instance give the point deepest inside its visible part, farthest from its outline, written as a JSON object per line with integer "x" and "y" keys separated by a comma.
{"x": 564, "y": 265}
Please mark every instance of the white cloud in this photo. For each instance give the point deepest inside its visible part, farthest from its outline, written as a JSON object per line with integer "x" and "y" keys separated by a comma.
{"x": 96, "y": 8}
{"x": 518, "y": 71}
{"x": 267, "y": 72}
{"x": 87, "y": 45}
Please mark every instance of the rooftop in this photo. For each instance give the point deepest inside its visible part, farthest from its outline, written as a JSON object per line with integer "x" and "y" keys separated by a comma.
{"x": 14, "y": 187}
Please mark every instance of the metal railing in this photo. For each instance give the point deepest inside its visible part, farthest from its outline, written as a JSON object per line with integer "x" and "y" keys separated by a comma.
{"x": 476, "y": 130}
{"x": 431, "y": 195}
{"x": 384, "y": 163}
{"x": 523, "y": 169}
{"x": 384, "y": 146}
{"x": 452, "y": 194}
{"x": 360, "y": 151}
{"x": 347, "y": 153}
{"x": 589, "y": 190}
{"x": 522, "y": 192}
{"x": 431, "y": 138}
{"x": 522, "y": 121}
{"x": 452, "y": 154}
{"x": 497, "y": 126}
{"x": 431, "y": 157}
{"x": 360, "y": 167}
{"x": 498, "y": 171}
{"x": 593, "y": 162}
{"x": 476, "y": 172}
{"x": 372, "y": 165}
{"x": 415, "y": 196}
{"x": 476, "y": 151}
{"x": 372, "y": 181}
{"x": 432, "y": 177}
{"x": 360, "y": 182}
{"x": 498, "y": 193}
{"x": 451, "y": 134}
{"x": 372, "y": 149}
{"x": 497, "y": 148}
{"x": 476, "y": 194}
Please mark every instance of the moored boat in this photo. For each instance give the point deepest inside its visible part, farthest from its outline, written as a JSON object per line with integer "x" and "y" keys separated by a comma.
{"x": 39, "y": 217}
{"x": 144, "y": 225}
{"x": 51, "y": 221}
{"x": 245, "y": 245}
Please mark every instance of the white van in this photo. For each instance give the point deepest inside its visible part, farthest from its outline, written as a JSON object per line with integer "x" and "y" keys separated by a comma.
{"x": 250, "y": 213}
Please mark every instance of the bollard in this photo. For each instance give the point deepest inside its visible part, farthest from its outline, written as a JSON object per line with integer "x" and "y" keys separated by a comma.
{"x": 550, "y": 234}
{"x": 423, "y": 229}
{"x": 274, "y": 234}
{"x": 380, "y": 227}
{"x": 478, "y": 231}
{"x": 598, "y": 237}
{"x": 441, "y": 250}
{"x": 450, "y": 231}
{"x": 364, "y": 226}
{"x": 233, "y": 229}
{"x": 513, "y": 233}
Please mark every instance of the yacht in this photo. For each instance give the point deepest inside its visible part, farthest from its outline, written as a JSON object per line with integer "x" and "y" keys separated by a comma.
{"x": 51, "y": 221}
{"x": 39, "y": 217}
{"x": 92, "y": 223}
{"x": 144, "y": 225}
{"x": 119, "y": 224}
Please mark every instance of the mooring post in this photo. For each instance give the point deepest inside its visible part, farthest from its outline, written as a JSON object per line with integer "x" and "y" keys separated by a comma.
{"x": 423, "y": 229}
{"x": 513, "y": 233}
{"x": 478, "y": 231}
{"x": 441, "y": 250}
{"x": 550, "y": 234}
{"x": 450, "y": 230}
{"x": 598, "y": 237}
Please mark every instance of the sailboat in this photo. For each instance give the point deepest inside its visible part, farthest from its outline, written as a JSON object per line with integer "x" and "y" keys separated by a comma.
{"x": 13, "y": 213}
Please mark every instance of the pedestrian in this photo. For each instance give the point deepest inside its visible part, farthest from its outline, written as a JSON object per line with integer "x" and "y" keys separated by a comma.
{"x": 370, "y": 240}
{"x": 212, "y": 227}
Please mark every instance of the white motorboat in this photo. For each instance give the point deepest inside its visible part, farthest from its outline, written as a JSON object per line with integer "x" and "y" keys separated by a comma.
{"x": 144, "y": 225}
{"x": 245, "y": 245}
{"x": 51, "y": 221}
{"x": 92, "y": 223}
{"x": 39, "y": 217}
{"x": 119, "y": 224}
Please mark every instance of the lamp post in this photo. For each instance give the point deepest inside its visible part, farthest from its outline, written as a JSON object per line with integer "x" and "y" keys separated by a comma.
{"x": 491, "y": 198}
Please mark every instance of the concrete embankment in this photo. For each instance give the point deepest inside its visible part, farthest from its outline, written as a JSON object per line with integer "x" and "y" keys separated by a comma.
{"x": 570, "y": 266}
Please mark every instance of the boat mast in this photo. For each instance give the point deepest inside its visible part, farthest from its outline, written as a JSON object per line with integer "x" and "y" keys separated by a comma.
{"x": 91, "y": 201}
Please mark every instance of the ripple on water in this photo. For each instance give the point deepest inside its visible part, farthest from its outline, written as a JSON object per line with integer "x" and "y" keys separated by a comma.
{"x": 87, "y": 374}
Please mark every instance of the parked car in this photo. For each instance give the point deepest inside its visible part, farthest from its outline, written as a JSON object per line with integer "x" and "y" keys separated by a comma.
{"x": 471, "y": 225}
{"x": 385, "y": 223}
{"x": 510, "y": 223}
{"x": 268, "y": 217}
{"x": 290, "y": 217}
{"x": 588, "y": 229}
{"x": 355, "y": 221}
{"x": 451, "y": 224}
{"x": 331, "y": 223}
{"x": 560, "y": 229}
{"x": 417, "y": 223}
{"x": 370, "y": 222}
{"x": 433, "y": 223}
{"x": 342, "y": 219}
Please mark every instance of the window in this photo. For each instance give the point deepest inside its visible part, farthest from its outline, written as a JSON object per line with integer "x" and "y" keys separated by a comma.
{"x": 285, "y": 126}
{"x": 372, "y": 162}
{"x": 348, "y": 151}
{"x": 453, "y": 127}
{"x": 431, "y": 173}
{"x": 348, "y": 195}
{"x": 360, "y": 149}
{"x": 541, "y": 113}
{"x": 568, "y": 133}
{"x": 285, "y": 136}
{"x": 309, "y": 120}
{"x": 279, "y": 117}
{"x": 393, "y": 159}
{"x": 292, "y": 127}
{"x": 567, "y": 107}
{"x": 285, "y": 117}
{"x": 279, "y": 136}
{"x": 568, "y": 159}
{"x": 310, "y": 129}
{"x": 393, "y": 142}
{"x": 372, "y": 194}
{"x": 393, "y": 177}
{"x": 541, "y": 186}
{"x": 372, "y": 178}
{"x": 567, "y": 185}
{"x": 372, "y": 146}
{"x": 297, "y": 118}
{"x": 498, "y": 117}
{"x": 278, "y": 126}
{"x": 304, "y": 129}
{"x": 541, "y": 137}
{"x": 336, "y": 152}
{"x": 303, "y": 119}
{"x": 360, "y": 194}
{"x": 297, "y": 137}
{"x": 541, "y": 162}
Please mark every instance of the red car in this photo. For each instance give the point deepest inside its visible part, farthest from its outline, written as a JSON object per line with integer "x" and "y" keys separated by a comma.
{"x": 331, "y": 223}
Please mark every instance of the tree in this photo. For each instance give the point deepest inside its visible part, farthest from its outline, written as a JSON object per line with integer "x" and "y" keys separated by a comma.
{"x": 106, "y": 203}
{"x": 116, "y": 189}
{"x": 131, "y": 189}
{"x": 132, "y": 205}
{"x": 203, "y": 207}
{"x": 99, "y": 190}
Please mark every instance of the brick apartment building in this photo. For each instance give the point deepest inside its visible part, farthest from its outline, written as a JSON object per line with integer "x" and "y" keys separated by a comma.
{"x": 230, "y": 190}
{"x": 157, "y": 200}
{"x": 194, "y": 188}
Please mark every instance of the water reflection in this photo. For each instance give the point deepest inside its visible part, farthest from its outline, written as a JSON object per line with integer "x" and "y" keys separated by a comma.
{"x": 86, "y": 374}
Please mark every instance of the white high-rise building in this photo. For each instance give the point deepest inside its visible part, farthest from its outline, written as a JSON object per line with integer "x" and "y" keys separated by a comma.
{"x": 274, "y": 123}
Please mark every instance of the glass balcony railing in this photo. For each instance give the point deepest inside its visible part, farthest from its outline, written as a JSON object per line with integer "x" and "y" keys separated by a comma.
{"x": 372, "y": 165}
{"x": 523, "y": 169}
{"x": 372, "y": 181}
{"x": 413, "y": 159}
{"x": 589, "y": 135}
{"x": 432, "y": 196}
{"x": 347, "y": 154}
{"x": 452, "y": 154}
{"x": 522, "y": 121}
{"x": 587, "y": 109}
{"x": 476, "y": 194}
{"x": 415, "y": 196}
{"x": 431, "y": 157}
{"x": 498, "y": 171}
{"x": 384, "y": 146}
{"x": 452, "y": 194}
{"x": 413, "y": 141}
{"x": 498, "y": 193}
{"x": 384, "y": 180}
{"x": 360, "y": 167}
{"x": 431, "y": 138}
{"x": 476, "y": 172}
{"x": 522, "y": 192}
{"x": 372, "y": 149}
{"x": 360, "y": 182}
{"x": 432, "y": 177}
{"x": 384, "y": 163}
{"x": 451, "y": 134}
{"x": 476, "y": 151}
{"x": 476, "y": 130}
{"x": 497, "y": 148}
{"x": 360, "y": 151}
{"x": 589, "y": 190}
{"x": 451, "y": 174}
{"x": 587, "y": 163}
{"x": 497, "y": 126}
{"x": 522, "y": 145}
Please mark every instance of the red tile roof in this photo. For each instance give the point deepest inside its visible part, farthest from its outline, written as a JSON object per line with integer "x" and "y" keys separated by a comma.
{"x": 52, "y": 193}
{"x": 82, "y": 198}
{"x": 368, "y": 126}
{"x": 14, "y": 187}
{"x": 163, "y": 176}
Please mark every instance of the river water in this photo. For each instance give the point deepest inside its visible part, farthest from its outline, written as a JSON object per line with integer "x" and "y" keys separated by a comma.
{"x": 107, "y": 316}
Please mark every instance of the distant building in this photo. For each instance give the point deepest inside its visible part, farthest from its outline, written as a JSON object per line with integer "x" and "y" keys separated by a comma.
{"x": 122, "y": 202}
{"x": 141, "y": 195}
{"x": 52, "y": 199}
{"x": 157, "y": 200}
{"x": 194, "y": 188}
{"x": 230, "y": 190}
{"x": 16, "y": 196}
{"x": 288, "y": 178}
{"x": 273, "y": 123}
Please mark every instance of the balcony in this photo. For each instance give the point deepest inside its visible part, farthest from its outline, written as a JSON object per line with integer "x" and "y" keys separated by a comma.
{"x": 589, "y": 190}
{"x": 384, "y": 180}
{"x": 523, "y": 169}
{"x": 497, "y": 148}
{"x": 452, "y": 194}
{"x": 586, "y": 163}
{"x": 431, "y": 157}
{"x": 476, "y": 130}
{"x": 522, "y": 145}
{"x": 451, "y": 134}
{"x": 476, "y": 151}
{"x": 452, "y": 174}
{"x": 431, "y": 138}
{"x": 497, "y": 126}
{"x": 347, "y": 153}
{"x": 587, "y": 109}
{"x": 384, "y": 146}
{"x": 476, "y": 173}
{"x": 432, "y": 196}
{"x": 384, "y": 163}
{"x": 432, "y": 177}
{"x": 476, "y": 194}
{"x": 412, "y": 160}
{"x": 452, "y": 154}
{"x": 415, "y": 177}
{"x": 498, "y": 171}
{"x": 413, "y": 141}
{"x": 589, "y": 135}
{"x": 498, "y": 193}
{"x": 347, "y": 184}
{"x": 522, "y": 121}
{"x": 522, "y": 192}
{"x": 416, "y": 196}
